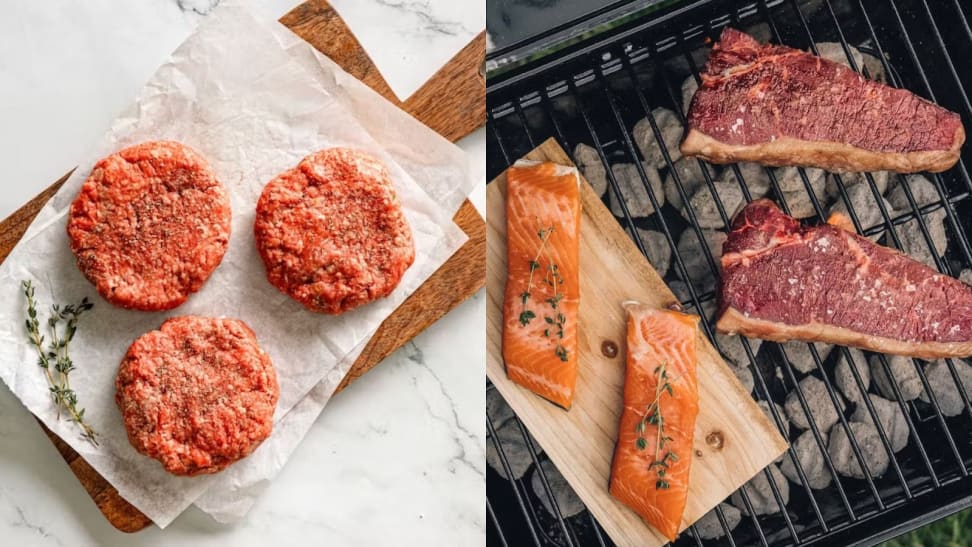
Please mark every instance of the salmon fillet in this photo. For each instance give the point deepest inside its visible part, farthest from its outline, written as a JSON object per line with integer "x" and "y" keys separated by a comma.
{"x": 650, "y": 472}
{"x": 542, "y": 289}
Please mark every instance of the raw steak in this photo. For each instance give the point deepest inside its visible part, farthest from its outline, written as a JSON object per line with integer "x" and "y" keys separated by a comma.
{"x": 783, "y": 281}
{"x": 782, "y": 106}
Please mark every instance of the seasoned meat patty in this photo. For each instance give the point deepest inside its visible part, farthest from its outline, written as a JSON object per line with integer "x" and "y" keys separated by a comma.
{"x": 198, "y": 394}
{"x": 332, "y": 233}
{"x": 150, "y": 225}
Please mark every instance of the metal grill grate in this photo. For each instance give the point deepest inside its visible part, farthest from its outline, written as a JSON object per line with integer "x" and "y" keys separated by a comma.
{"x": 593, "y": 94}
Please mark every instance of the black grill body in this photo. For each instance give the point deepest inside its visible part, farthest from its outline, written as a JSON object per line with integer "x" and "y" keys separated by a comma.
{"x": 595, "y": 92}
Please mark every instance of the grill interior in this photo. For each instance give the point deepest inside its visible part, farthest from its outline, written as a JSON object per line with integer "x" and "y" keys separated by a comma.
{"x": 594, "y": 94}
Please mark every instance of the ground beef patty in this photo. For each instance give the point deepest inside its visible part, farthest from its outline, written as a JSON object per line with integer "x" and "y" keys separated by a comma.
{"x": 332, "y": 233}
{"x": 150, "y": 225}
{"x": 197, "y": 394}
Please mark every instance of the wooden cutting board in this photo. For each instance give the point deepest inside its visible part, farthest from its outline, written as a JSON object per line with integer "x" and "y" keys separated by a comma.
{"x": 733, "y": 438}
{"x": 452, "y": 102}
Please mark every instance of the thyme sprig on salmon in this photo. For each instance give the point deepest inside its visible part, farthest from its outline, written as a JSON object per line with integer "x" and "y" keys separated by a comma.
{"x": 552, "y": 278}
{"x": 653, "y": 416}
{"x": 56, "y": 356}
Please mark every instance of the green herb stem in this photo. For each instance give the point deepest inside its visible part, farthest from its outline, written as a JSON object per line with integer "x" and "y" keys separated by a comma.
{"x": 59, "y": 382}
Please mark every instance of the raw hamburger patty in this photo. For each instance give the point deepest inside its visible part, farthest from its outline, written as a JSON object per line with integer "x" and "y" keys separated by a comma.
{"x": 197, "y": 394}
{"x": 332, "y": 233}
{"x": 150, "y": 225}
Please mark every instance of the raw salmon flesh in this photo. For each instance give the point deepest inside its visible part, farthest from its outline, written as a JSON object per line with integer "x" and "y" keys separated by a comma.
{"x": 650, "y": 472}
{"x": 542, "y": 292}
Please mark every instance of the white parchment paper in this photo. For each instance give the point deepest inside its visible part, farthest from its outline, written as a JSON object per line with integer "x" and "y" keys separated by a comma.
{"x": 233, "y": 92}
{"x": 437, "y": 165}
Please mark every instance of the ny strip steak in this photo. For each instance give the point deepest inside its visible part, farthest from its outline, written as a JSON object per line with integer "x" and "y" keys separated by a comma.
{"x": 782, "y": 106}
{"x": 783, "y": 281}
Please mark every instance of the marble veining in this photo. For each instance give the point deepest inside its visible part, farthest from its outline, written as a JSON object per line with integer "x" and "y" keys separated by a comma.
{"x": 464, "y": 439}
{"x": 202, "y": 7}
{"x": 424, "y": 13}
{"x": 426, "y": 34}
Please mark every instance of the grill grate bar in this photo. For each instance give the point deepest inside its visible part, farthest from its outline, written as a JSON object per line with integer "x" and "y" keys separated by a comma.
{"x": 917, "y": 63}
{"x": 495, "y": 521}
{"x": 505, "y": 462}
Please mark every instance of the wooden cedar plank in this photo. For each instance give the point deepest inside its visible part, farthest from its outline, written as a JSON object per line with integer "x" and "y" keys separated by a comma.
{"x": 453, "y": 103}
{"x": 733, "y": 438}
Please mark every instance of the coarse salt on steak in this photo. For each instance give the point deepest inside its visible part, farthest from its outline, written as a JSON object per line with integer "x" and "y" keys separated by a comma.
{"x": 783, "y": 281}
{"x": 198, "y": 394}
{"x": 781, "y": 106}
{"x": 150, "y": 225}
{"x": 332, "y": 233}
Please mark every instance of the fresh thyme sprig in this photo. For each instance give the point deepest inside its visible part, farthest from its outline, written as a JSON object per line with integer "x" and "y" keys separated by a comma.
{"x": 653, "y": 416}
{"x": 56, "y": 355}
{"x": 553, "y": 278}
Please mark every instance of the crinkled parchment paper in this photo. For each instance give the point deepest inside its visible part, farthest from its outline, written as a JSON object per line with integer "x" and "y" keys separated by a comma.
{"x": 237, "y": 92}
{"x": 437, "y": 165}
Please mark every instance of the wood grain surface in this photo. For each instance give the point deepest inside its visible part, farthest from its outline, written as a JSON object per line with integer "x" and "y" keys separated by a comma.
{"x": 453, "y": 103}
{"x": 733, "y": 438}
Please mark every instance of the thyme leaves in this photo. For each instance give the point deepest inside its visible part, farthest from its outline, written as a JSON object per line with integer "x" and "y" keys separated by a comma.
{"x": 653, "y": 416}
{"x": 55, "y": 359}
{"x": 553, "y": 279}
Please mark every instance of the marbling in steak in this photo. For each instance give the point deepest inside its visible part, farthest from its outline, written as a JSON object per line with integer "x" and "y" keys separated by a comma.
{"x": 783, "y": 106}
{"x": 783, "y": 281}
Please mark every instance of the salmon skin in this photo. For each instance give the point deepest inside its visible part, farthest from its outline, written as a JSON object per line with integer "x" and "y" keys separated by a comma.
{"x": 650, "y": 472}
{"x": 542, "y": 288}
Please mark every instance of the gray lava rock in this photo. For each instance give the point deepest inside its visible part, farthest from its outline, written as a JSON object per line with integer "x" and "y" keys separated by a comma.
{"x": 872, "y": 451}
{"x": 765, "y": 407}
{"x": 818, "y": 403}
{"x": 514, "y": 448}
{"x": 591, "y": 167}
{"x": 633, "y": 190}
{"x": 732, "y": 348}
{"x": 913, "y": 241}
{"x": 811, "y": 458}
{"x": 865, "y": 206}
{"x": 745, "y": 376}
{"x": 881, "y": 179}
{"x": 799, "y": 356}
{"x": 790, "y": 180}
{"x": 671, "y": 131}
{"x": 696, "y": 265}
{"x": 890, "y": 417}
{"x": 761, "y": 493}
{"x": 690, "y": 175}
{"x": 754, "y": 176}
{"x": 844, "y": 377}
{"x": 923, "y": 191}
{"x": 659, "y": 251}
{"x": 799, "y": 202}
{"x": 496, "y": 408}
{"x": 903, "y": 372}
{"x": 946, "y": 391}
{"x": 833, "y": 51}
{"x": 689, "y": 87}
{"x": 966, "y": 276}
{"x": 710, "y": 527}
{"x": 679, "y": 289}
{"x": 704, "y": 205}
{"x": 567, "y": 501}
{"x": 875, "y": 70}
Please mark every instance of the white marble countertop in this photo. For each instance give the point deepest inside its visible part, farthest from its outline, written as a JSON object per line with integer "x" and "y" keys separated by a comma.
{"x": 397, "y": 457}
